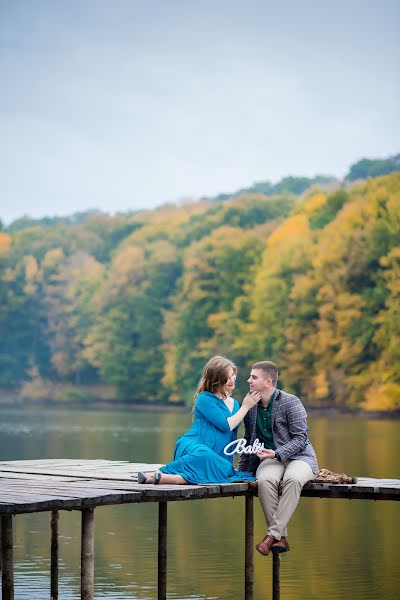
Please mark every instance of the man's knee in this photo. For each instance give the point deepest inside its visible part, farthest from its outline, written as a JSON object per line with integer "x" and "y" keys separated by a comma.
{"x": 292, "y": 481}
{"x": 267, "y": 480}
{"x": 297, "y": 475}
{"x": 268, "y": 472}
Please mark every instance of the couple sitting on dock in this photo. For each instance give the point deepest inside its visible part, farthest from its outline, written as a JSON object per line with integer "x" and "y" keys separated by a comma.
{"x": 278, "y": 450}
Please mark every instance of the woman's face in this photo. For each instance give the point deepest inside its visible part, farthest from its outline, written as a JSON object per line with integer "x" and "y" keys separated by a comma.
{"x": 230, "y": 384}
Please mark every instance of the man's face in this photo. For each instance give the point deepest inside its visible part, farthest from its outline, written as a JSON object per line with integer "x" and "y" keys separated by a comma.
{"x": 257, "y": 381}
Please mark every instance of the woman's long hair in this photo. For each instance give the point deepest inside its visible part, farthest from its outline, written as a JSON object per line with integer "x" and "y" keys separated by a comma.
{"x": 215, "y": 376}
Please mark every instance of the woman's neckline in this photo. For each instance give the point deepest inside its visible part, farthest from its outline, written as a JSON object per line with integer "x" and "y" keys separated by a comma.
{"x": 230, "y": 408}
{"x": 222, "y": 400}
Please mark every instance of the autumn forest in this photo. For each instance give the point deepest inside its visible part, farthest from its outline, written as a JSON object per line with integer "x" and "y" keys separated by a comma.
{"x": 129, "y": 307}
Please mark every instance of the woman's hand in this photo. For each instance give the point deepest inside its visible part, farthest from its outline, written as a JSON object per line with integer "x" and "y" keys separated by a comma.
{"x": 251, "y": 399}
{"x": 267, "y": 453}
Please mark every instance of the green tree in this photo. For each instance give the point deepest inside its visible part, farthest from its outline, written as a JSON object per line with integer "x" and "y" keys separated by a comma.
{"x": 373, "y": 168}
{"x": 125, "y": 343}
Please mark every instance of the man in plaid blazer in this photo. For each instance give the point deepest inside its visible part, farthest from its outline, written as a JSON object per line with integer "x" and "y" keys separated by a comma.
{"x": 279, "y": 420}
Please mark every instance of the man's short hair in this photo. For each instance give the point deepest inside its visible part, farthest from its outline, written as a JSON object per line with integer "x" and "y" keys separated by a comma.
{"x": 269, "y": 369}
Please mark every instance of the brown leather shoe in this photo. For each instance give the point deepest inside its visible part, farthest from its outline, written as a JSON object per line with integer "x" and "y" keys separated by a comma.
{"x": 264, "y": 546}
{"x": 280, "y": 546}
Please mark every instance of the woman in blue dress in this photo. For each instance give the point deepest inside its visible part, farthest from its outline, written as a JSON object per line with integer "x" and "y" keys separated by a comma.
{"x": 199, "y": 453}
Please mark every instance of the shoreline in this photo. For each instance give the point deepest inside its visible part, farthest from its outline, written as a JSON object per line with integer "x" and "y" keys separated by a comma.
{"x": 13, "y": 399}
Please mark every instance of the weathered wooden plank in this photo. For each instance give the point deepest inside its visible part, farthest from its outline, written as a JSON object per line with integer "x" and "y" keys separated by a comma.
{"x": 165, "y": 492}
{"x": 9, "y": 498}
{"x": 20, "y": 506}
{"x": 385, "y": 490}
{"x": 65, "y": 489}
{"x": 35, "y": 477}
{"x": 60, "y": 494}
{"x": 75, "y": 462}
{"x": 62, "y": 461}
{"x": 349, "y": 495}
{"x": 111, "y": 474}
{"x": 90, "y": 465}
{"x": 234, "y": 487}
{"x": 81, "y": 464}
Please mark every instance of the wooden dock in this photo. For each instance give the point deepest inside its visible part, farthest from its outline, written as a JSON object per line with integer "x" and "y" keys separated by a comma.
{"x": 53, "y": 485}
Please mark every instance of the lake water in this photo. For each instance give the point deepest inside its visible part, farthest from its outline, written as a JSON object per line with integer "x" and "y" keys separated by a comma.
{"x": 340, "y": 549}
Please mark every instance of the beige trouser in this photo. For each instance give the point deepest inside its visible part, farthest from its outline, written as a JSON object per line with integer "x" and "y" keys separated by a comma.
{"x": 278, "y": 509}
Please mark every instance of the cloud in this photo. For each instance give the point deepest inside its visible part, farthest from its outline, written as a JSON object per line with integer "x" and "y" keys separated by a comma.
{"x": 131, "y": 107}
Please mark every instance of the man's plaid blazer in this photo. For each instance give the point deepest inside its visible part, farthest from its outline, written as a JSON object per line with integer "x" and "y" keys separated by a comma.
{"x": 289, "y": 432}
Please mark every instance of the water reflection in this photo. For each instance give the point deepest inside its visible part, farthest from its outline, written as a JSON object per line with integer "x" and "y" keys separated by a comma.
{"x": 339, "y": 547}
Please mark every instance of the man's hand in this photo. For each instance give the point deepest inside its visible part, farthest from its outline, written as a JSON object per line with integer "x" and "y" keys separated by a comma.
{"x": 267, "y": 453}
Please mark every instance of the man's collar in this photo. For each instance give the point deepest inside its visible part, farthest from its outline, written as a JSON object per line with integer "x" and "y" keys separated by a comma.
{"x": 271, "y": 397}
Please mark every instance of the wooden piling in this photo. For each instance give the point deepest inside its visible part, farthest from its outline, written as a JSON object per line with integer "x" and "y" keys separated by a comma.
{"x": 7, "y": 578}
{"x": 54, "y": 555}
{"x": 248, "y": 548}
{"x": 162, "y": 551}
{"x": 276, "y": 576}
{"x": 87, "y": 554}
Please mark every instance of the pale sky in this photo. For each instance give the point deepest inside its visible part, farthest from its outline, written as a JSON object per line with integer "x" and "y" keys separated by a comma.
{"x": 126, "y": 104}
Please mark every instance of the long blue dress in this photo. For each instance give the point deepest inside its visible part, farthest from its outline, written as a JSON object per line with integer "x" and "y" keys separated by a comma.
{"x": 199, "y": 453}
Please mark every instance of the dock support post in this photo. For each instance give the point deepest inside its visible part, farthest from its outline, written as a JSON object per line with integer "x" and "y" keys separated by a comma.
{"x": 7, "y": 576}
{"x": 87, "y": 555}
{"x": 162, "y": 551}
{"x": 248, "y": 548}
{"x": 276, "y": 576}
{"x": 54, "y": 555}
